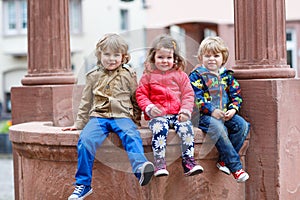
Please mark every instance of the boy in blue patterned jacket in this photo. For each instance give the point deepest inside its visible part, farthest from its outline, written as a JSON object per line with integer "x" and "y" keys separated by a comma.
{"x": 218, "y": 99}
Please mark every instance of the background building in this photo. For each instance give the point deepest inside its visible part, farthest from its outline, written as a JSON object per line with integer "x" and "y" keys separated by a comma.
{"x": 138, "y": 21}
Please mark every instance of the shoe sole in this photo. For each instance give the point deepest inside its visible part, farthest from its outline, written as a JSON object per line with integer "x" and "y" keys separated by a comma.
{"x": 199, "y": 170}
{"x": 161, "y": 173}
{"x": 147, "y": 173}
{"x": 243, "y": 179}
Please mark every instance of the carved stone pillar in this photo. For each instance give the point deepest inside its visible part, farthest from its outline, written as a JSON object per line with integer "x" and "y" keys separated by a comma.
{"x": 260, "y": 40}
{"x": 47, "y": 89}
{"x": 48, "y": 43}
{"x": 271, "y": 99}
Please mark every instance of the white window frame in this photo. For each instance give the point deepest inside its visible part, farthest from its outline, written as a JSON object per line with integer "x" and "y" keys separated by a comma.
{"x": 17, "y": 14}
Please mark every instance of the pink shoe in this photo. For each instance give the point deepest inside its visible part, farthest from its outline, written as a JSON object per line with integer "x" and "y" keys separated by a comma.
{"x": 190, "y": 167}
{"x": 160, "y": 167}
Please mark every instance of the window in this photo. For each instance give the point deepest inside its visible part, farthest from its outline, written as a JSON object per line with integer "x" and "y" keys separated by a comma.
{"x": 179, "y": 35}
{"x": 145, "y": 4}
{"x": 15, "y": 17}
{"x": 124, "y": 19}
{"x": 209, "y": 32}
{"x": 291, "y": 47}
{"x": 7, "y": 105}
{"x": 75, "y": 16}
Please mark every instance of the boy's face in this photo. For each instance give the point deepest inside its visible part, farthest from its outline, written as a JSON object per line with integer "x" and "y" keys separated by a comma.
{"x": 164, "y": 59}
{"x": 212, "y": 61}
{"x": 111, "y": 60}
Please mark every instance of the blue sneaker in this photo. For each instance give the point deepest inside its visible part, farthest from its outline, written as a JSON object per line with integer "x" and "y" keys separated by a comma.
{"x": 80, "y": 192}
{"x": 147, "y": 171}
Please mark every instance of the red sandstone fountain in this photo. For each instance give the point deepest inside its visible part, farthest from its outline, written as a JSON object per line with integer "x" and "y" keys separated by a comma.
{"x": 45, "y": 158}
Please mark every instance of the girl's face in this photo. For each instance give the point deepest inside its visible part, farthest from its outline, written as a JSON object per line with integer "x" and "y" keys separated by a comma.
{"x": 164, "y": 59}
{"x": 212, "y": 61}
{"x": 111, "y": 60}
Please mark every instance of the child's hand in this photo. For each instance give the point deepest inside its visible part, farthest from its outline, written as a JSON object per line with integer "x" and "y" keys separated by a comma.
{"x": 218, "y": 114}
{"x": 229, "y": 114}
{"x": 155, "y": 112}
{"x": 72, "y": 128}
{"x": 183, "y": 117}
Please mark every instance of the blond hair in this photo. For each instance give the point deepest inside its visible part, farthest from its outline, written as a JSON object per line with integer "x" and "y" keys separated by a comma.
{"x": 168, "y": 42}
{"x": 115, "y": 43}
{"x": 215, "y": 45}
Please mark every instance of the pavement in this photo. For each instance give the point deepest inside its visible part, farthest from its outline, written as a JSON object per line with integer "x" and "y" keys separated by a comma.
{"x": 6, "y": 177}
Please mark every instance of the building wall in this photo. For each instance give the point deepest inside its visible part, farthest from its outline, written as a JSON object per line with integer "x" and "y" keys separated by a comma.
{"x": 101, "y": 16}
{"x": 98, "y": 17}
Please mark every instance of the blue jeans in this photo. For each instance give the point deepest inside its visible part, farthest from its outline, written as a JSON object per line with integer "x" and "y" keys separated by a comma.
{"x": 93, "y": 135}
{"x": 160, "y": 129}
{"x": 228, "y": 137}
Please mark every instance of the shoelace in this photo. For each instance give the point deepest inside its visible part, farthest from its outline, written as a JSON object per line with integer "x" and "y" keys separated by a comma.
{"x": 190, "y": 162}
{"x": 238, "y": 173}
{"x": 78, "y": 189}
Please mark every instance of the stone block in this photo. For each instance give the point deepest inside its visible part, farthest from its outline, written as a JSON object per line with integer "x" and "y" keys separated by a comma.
{"x": 45, "y": 158}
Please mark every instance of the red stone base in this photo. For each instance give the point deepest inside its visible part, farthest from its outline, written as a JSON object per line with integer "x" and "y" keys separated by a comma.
{"x": 272, "y": 107}
{"x": 56, "y": 103}
{"x": 45, "y": 162}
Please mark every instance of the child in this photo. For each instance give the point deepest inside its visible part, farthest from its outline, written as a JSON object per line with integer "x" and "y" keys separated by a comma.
{"x": 108, "y": 105}
{"x": 218, "y": 98}
{"x": 166, "y": 97}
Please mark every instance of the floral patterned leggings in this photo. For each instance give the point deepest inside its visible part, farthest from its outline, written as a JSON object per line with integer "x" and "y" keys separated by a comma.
{"x": 160, "y": 127}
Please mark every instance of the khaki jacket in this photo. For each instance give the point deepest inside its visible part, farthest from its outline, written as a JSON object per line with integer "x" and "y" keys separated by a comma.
{"x": 109, "y": 94}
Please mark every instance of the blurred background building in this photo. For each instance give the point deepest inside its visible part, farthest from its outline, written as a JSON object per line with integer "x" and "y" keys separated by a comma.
{"x": 138, "y": 21}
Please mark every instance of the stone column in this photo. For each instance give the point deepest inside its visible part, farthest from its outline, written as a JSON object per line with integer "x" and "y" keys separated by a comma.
{"x": 46, "y": 94}
{"x": 48, "y": 43}
{"x": 260, "y": 39}
{"x": 47, "y": 91}
{"x": 271, "y": 99}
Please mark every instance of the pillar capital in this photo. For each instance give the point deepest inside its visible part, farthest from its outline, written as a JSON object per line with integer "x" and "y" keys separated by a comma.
{"x": 260, "y": 40}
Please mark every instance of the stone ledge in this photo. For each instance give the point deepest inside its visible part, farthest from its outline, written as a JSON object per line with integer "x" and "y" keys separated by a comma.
{"x": 45, "y": 134}
{"x": 46, "y": 154}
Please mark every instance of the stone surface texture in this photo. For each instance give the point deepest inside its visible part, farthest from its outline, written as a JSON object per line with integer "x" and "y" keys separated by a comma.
{"x": 47, "y": 160}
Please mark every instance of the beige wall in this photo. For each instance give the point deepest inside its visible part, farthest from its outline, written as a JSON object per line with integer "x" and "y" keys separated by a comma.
{"x": 167, "y": 12}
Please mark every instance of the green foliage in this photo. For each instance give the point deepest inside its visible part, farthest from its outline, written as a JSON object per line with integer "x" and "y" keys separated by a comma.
{"x": 4, "y": 126}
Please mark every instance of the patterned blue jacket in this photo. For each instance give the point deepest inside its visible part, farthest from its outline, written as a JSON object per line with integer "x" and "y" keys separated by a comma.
{"x": 215, "y": 91}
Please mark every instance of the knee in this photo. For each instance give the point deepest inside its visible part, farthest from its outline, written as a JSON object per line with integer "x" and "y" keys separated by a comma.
{"x": 240, "y": 126}
{"x": 131, "y": 136}
{"x": 216, "y": 135}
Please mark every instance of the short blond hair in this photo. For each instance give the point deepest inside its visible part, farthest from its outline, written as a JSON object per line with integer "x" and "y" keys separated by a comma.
{"x": 114, "y": 42}
{"x": 215, "y": 45}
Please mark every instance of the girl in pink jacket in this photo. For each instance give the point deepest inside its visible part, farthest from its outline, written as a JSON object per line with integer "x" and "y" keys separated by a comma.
{"x": 166, "y": 97}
